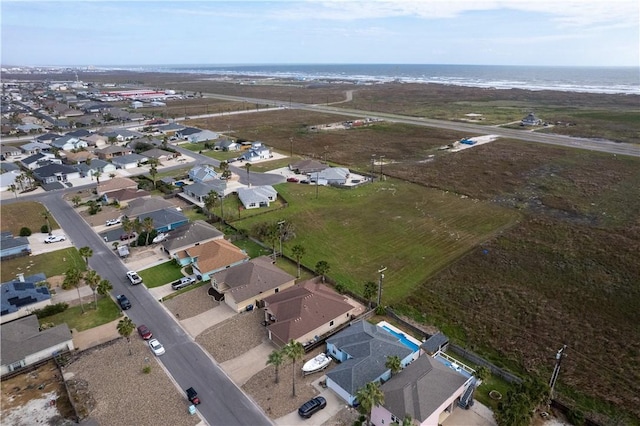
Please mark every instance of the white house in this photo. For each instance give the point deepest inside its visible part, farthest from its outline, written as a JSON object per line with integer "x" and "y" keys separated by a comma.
{"x": 257, "y": 196}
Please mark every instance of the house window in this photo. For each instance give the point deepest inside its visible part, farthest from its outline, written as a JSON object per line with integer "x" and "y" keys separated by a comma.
{"x": 16, "y": 366}
{"x": 394, "y": 419}
{"x": 277, "y": 290}
{"x": 331, "y": 324}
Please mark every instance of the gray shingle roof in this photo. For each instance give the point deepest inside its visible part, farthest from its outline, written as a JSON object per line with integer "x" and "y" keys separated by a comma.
{"x": 368, "y": 347}
{"x": 191, "y": 234}
{"x": 252, "y": 278}
{"x": 22, "y": 337}
{"x": 16, "y": 294}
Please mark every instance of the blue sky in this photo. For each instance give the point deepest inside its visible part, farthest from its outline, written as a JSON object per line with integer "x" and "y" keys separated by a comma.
{"x": 510, "y": 32}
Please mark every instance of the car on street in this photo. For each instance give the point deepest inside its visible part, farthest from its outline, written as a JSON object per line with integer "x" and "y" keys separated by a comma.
{"x": 134, "y": 278}
{"x": 182, "y": 283}
{"x": 156, "y": 347}
{"x": 54, "y": 239}
{"x": 293, "y": 179}
{"x": 123, "y": 301}
{"x": 111, "y": 222}
{"x": 125, "y": 237}
{"x": 309, "y": 408}
{"x": 144, "y": 332}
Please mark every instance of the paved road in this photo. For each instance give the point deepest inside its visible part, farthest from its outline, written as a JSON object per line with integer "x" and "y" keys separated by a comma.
{"x": 223, "y": 403}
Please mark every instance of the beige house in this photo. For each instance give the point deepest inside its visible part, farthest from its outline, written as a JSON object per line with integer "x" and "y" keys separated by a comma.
{"x": 116, "y": 184}
{"x": 246, "y": 284}
{"x": 307, "y": 311}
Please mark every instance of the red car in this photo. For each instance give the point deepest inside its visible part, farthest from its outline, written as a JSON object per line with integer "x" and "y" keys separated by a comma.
{"x": 292, "y": 179}
{"x": 144, "y": 332}
{"x": 125, "y": 237}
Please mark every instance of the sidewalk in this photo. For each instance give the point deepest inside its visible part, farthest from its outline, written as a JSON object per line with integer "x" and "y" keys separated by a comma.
{"x": 70, "y": 295}
{"x": 95, "y": 336}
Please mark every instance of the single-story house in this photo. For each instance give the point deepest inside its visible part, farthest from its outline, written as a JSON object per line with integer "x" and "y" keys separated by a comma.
{"x": 211, "y": 257}
{"x": 141, "y": 206}
{"x": 112, "y": 151}
{"x": 195, "y": 135}
{"x": 244, "y": 285}
{"x": 9, "y": 178}
{"x": 96, "y": 140}
{"x": 159, "y": 154}
{"x": 426, "y": 390}
{"x": 79, "y": 133}
{"x": 198, "y": 191}
{"x": 24, "y": 344}
{"x": 306, "y": 167}
{"x": 124, "y": 196}
{"x": 34, "y": 161}
{"x": 362, "y": 350}
{"x": 257, "y": 196}
{"x": 165, "y": 220}
{"x": 29, "y": 127}
{"x": 103, "y": 167}
{"x": 47, "y": 137}
{"x": 68, "y": 143}
{"x": 257, "y": 152}
{"x": 129, "y": 161}
{"x": 11, "y": 246}
{"x": 34, "y": 148}
{"x": 8, "y": 151}
{"x": 115, "y": 184}
{"x": 333, "y": 175}
{"x": 55, "y": 173}
{"x": 22, "y": 296}
{"x": 226, "y": 145}
{"x": 78, "y": 157}
{"x": 192, "y": 234}
{"x": 203, "y": 173}
{"x": 305, "y": 311}
{"x": 170, "y": 129}
{"x": 121, "y": 135}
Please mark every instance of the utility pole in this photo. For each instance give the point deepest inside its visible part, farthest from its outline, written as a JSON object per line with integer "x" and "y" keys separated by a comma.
{"x": 317, "y": 173}
{"x": 291, "y": 141}
{"x": 381, "y": 157}
{"x": 556, "y": 371}
{"x": 380, "y": 271}
{"x": 282, "y": 222}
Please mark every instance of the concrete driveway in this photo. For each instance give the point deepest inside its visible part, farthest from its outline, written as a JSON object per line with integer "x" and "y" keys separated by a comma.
{"x": 245, "y": 366}
{"x": 38, "y": 246}
{"x": 334, "y": 405}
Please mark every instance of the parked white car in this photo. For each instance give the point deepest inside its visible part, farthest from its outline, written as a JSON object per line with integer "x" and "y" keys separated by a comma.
{"x": 156, "y": 347}
{"x": 134, "y": 277}
{"x": 54, "y": 239}
{"x": 111, "y": 222}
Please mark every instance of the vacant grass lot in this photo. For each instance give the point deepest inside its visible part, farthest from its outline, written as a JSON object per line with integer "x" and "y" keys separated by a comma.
{"x": 412, "y": 230}
{"x": 161, "y": 274}
{"x": 24, "y": 214}
{"x": 51, "y": 264}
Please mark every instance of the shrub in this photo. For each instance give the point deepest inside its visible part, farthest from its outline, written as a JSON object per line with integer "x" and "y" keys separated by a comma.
{"x": 25, "y": 232}
{"x": 576, "y": 417}
{"x": 44, "y": 229}
{"x": 381, "y": 310}
{"x": 146, "y": 369}
{"x": 340, "y": 288}
{"x": 47, "y": 311}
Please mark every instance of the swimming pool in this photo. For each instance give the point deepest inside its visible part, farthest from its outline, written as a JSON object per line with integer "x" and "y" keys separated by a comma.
{"x": 403, "y": 339}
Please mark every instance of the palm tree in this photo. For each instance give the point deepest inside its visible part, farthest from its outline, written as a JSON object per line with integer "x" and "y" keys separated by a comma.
{"x": 125, "y": 328}
{"x": 210, "y": 202}
{"x": 46, "y": 216}
{"x": 226, "y": 170}
{"x": 72, "y": 279}
{"x": 76, "y": 200}
{"x": 127, "y": 224}
{"x": 370, "y": 289}
{"x": 276, "y": 359}
{"x": 153, "y": 170}
{"x": 86, "y": 253}
{"x": 294, "y": 351}
{"x": 394, "y": 364}
{"x": 298, "y": 251}
{"x": 322, "y": 267}
{"x": 147, "y": 225}
{"x": 14, "y": 189}
{"x": 97, "y": 174}
{"x": 92, "y": 279}
{"x": 368, "y": 397}
{"x": 247, "y": 166}
{"x": 104, "y": 287}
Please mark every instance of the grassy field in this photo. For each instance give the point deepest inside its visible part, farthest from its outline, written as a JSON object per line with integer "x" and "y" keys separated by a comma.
{"x": 411, "y": 230}
{"x": 51, "y": 264}
{"x": 25, "y": 214}
{"x": 107, "y": 311}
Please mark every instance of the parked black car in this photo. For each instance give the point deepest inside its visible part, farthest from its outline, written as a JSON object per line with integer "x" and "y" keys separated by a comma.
{"x": 123, "y": 301}
{"x": 307, "y": 409}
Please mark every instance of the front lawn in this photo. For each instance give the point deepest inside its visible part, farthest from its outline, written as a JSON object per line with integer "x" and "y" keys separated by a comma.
{"x": 51, "y": 264}
{"x": 161, "y": 274}
{"x": 107, "y": 311}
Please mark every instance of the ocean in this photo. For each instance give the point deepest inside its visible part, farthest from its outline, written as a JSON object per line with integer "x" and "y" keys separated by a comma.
{"x": 625, "y": 80}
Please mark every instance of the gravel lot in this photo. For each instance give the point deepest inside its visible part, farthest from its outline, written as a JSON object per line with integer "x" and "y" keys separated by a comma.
{"x": 125, "y": 395}
{"x": 234, "y": 336}
{"x": 191, "y": 303}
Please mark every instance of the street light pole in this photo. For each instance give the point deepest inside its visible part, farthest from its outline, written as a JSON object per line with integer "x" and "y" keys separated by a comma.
{"x": 381, "y": 157}
{"x": 282, "y": 222}
{"x": 380, "y": 271}
{"x": 291, "y": 141}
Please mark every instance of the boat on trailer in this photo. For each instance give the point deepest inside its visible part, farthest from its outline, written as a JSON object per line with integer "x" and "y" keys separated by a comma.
{"x": 317, "y": 363}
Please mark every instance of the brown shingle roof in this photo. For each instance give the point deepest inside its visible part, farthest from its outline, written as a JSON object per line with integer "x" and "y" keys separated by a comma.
{"x": 252, "y": 278}
{"x": 215, "y": 254}
{"x": 115, "y": 184}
